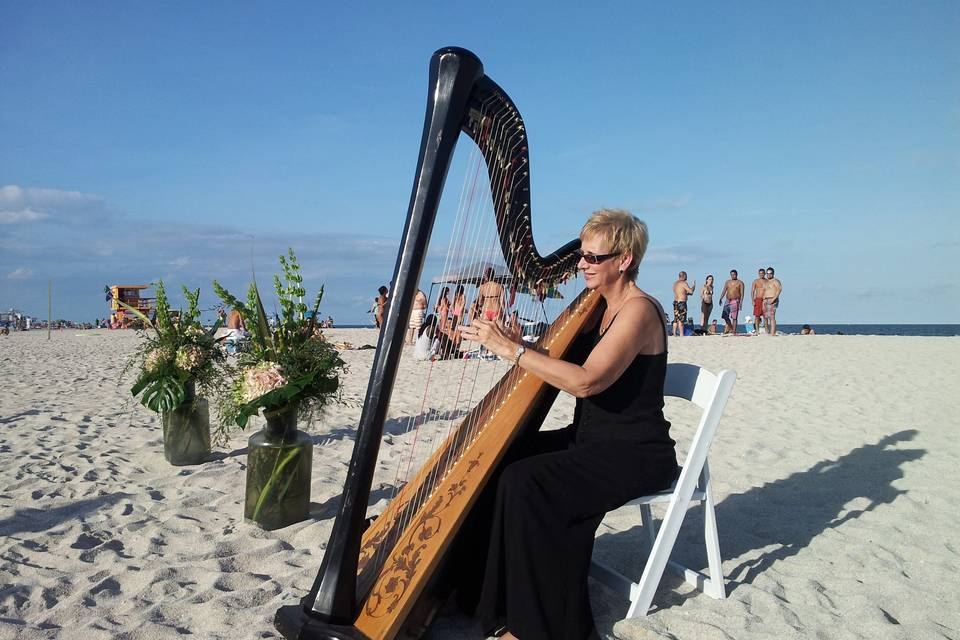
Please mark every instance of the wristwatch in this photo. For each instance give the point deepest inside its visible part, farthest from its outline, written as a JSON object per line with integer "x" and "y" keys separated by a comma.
{"x": 520, "y": 351}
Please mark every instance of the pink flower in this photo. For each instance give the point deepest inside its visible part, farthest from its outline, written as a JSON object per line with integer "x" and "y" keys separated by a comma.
{"x": 261, "y": 379}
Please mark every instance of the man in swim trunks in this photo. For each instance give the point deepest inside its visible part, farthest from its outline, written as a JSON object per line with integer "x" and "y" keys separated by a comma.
{"x": 680, "y": 292}
{"x": 733, "y": 293}
{"x": 771, "y": 300}
{"x": 756, "y": 294}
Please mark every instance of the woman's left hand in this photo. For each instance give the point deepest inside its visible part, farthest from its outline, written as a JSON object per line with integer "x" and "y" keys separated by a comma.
{"x": 491, "y": 335}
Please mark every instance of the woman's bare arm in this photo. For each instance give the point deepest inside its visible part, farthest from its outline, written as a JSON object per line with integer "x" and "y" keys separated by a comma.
{"x": 635, "y": 330}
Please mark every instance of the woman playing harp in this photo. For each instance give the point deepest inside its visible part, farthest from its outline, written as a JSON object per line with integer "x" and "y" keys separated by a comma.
{"x": 550, "y": 502}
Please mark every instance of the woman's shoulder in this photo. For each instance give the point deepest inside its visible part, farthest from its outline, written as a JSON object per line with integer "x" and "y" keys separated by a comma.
{"x": 641, "y": 309}
{"x": 642, "y": 303}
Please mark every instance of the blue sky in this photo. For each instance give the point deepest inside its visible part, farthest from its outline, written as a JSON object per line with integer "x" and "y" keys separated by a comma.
{"x": 175, "y": 140}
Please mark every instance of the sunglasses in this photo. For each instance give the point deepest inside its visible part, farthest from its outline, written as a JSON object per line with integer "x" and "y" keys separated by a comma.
{"x": 592, "y": 258}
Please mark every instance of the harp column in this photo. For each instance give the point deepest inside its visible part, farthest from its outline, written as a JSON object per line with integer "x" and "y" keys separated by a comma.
{"x": 453, "y": 74}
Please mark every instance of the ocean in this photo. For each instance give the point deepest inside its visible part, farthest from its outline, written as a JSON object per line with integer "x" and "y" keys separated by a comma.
{"x": 833, "y": 329}
{"x": 877, "y": 329}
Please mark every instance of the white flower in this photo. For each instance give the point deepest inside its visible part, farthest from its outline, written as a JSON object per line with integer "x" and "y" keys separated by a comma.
{"x": 155, "y": 358}
{"x": 261, "y": 379}
{"x": 188, "y": 358}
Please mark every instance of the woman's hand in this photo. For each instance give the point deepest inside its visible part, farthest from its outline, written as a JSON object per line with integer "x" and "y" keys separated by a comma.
{"x": 491, "y": 335}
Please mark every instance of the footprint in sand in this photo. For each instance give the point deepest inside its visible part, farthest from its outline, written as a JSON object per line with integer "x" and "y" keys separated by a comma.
{"x": 87, "y": 541}
{"x": 109, "y": 586}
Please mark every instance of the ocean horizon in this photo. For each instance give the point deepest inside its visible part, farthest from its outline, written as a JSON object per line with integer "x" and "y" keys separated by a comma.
{"x": 938, "y": 330}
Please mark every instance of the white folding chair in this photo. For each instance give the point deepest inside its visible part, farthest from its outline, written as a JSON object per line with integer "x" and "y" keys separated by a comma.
{"x": 709, "y": 392}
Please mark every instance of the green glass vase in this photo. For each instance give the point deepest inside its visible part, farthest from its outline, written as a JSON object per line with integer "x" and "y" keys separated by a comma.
{"x": 279, "y": 465}
{"x": 186, "y": 430}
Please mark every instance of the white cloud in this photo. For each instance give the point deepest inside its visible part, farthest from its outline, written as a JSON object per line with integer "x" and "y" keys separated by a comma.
{"x": 180, "y": 262}
{"x": 13, "y": 195}
{"x": 23, "y": 215}
{"x": 20, "y": 273}
{"x": 28, "y": 204}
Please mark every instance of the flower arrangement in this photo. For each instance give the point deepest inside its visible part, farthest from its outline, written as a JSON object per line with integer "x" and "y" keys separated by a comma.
{"x": 287, "y": 364}
{"x": 177, "y": 358}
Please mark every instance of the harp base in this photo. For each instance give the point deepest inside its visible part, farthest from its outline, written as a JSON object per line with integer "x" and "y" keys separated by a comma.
{"x": 294, "y": 623}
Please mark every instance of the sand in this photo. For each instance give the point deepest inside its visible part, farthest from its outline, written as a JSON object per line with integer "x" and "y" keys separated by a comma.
{"x": 833, "y": 469}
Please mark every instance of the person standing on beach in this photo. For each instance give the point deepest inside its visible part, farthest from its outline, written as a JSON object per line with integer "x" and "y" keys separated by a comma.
{"x": 416, "y": 315}
{"x": 756, "y": 294}
{"x": 680, "y": 292}
{"x": 771, "y": 300}
{"x": 382, "y": 302}
{"x": 733, "y": 293}
{"x": 706, "y": 302}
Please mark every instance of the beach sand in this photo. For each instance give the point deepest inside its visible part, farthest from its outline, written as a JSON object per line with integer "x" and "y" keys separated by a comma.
{"x": 833, "y": 471}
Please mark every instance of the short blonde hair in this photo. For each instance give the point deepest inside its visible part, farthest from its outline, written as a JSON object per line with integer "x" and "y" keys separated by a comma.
{"x": 625, "y": 232}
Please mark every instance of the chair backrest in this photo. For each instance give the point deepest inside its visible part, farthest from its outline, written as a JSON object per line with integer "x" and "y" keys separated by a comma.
{"x": 708, "y": 391}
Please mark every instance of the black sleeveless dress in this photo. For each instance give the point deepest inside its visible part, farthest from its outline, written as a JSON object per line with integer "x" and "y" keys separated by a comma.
{"x": 549, "y": 505}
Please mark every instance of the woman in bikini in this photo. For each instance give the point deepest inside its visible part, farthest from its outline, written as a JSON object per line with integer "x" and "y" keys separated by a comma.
{"x": 706, "y": 302}
{"x": 490, "y": 297}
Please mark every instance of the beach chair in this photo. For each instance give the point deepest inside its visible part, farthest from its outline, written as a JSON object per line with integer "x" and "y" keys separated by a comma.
{"x": 709, "y": 392}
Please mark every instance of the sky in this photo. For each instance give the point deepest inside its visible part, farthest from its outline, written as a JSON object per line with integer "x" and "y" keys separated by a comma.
{"x": 193, "y": 141}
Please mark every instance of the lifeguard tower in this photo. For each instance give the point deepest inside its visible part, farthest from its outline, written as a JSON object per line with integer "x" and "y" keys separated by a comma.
{"x": 129, "y": 294}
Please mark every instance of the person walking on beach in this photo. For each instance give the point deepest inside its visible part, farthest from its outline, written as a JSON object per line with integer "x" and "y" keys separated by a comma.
{"x": 416, "y": 315}
{"x": 733, "y": 293}
{"x": 756, "y": 294}
{"x": 680, "y": 292}
{"x": 381, "y": 301}
{"x": 706, "y": 302}
{"x": 771, "y": 300}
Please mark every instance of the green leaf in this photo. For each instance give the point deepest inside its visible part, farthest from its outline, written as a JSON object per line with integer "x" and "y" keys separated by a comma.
{"x": 215, "y": 328}
{"x": 163, "y": 394}
{"x": 313, "y": 318}
{"x": 263, "y": 327}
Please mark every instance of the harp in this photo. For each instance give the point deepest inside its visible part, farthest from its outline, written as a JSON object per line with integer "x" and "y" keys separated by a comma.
{"x": 379, "y": 581}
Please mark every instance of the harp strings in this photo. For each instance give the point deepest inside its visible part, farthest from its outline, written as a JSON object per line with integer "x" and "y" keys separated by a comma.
{"x": 462, "y": 248}
{"x": 475, "y": 241}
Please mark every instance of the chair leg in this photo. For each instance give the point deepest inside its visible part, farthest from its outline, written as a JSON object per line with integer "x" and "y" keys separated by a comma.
{"x": 646, "y": 519}
{"x": 716, "y": 588}
{"x": 659, "y": 555}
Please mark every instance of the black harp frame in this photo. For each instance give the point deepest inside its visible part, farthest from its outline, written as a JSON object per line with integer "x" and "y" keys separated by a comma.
{"x": 459, "y": 97}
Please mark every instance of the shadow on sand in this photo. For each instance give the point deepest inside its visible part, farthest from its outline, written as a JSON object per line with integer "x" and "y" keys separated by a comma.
{"x": 783, "y": 516}
{"x": 35, "y": 520}
{"x": 392, "y": 427}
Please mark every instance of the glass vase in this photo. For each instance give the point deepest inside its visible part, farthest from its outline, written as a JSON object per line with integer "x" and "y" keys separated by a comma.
{"x": 186, "y": 430}
{"x": 279, "y": 465}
